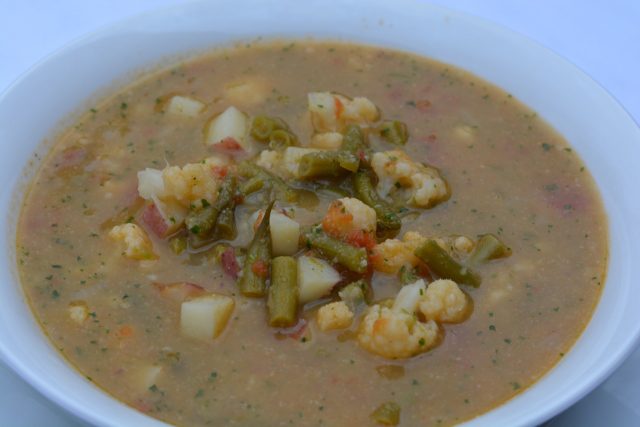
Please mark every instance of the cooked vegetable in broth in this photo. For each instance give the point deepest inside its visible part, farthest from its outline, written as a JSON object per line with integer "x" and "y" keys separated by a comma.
{"x": 312, "y": 234}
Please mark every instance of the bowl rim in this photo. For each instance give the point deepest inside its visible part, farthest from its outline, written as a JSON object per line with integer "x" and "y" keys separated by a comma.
{"x": 74, "y": 406}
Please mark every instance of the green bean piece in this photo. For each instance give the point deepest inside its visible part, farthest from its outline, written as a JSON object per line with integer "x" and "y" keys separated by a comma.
{"x": 388, "y": 220}
{"x": 252, "y": 185}
{"x": 282, "y": 301}
{"x": 388, "y": 414}
{"x": 394, "y": 132}
{"x": 253, "y": 282}
{"x": 202, "y": 222}
{"x": 251, "y": 170}
{"x": 354, "y": 140}
{"x": 178, "y": 244}
{"x": 441, "y": 263}
{"x": 348, "y": 161}
{"x": 407, "y": 275}
{"x": 321, "y": 164}
{"x": 226, "y": 226}
{"x": 263, "y": 126}
{"x": 487, "y": 248}
{"x": 281, "y": 139}
{"x": 355, "y": 259}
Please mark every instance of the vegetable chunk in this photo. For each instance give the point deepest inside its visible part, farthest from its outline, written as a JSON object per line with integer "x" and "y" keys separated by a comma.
{"x": 396, "y": 335}
{"x": 445, "y": 302}
{"x": 136, "y": 242}
{"x": 184, "y": 106}
{"x": 316, "y": 278}
{"x": 335, "y": 315}
{"x": 395, "y": 168}
{"x": 228, "y": 128}
{"x": 205, "y": 317}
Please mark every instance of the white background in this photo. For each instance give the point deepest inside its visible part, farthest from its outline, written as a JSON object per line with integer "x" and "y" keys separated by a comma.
{"x": 600, "y": 37}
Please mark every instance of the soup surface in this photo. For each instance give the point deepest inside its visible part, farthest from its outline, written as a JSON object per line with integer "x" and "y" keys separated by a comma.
{"x": 146, "y": 286}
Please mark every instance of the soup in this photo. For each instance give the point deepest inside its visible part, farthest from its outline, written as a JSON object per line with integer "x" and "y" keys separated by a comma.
{"x": 312, "y": 233}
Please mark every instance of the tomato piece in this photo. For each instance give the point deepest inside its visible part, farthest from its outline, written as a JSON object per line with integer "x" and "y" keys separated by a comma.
{"x": 154, "y": 220}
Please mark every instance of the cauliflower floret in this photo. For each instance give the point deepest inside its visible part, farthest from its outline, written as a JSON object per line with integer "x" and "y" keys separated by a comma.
{"x": 445, "y": 302}
{"x": 351, "y": 220}
{"x": 394, "y": 334}
{"x": 396, "y": 168}
{"x": 392, "y": 254}
{"x": 184, "y": 185}
{"x": 327, "y": 140}
{"x": 331, "y": 112}
{"x": 335, "y": 315}
{"x": 136, "y": 242}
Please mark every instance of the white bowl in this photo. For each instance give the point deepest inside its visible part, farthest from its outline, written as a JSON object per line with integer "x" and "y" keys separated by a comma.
{"x": 50, "y": 95}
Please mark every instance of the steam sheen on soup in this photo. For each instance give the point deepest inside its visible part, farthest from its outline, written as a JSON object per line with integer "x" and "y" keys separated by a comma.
{"x": 311, "y": 234}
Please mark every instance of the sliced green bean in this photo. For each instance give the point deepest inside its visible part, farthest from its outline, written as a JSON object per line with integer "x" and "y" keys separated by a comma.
{"x": 253, "y": 282}
{"x": 355, "y": 142}
{"x": 251, "y": 170}
{"x": 442, "y": 264}
{"x": 281, "y": 139}
{"x": 202, "y": 222}
{"x": 226, "y": 226}
{"x": 282, "y": 301}
{"x": 263, "y": 126}
{"x": 388, "y": 414}
{"x": 394, "y": 132}
{"x": 320, "y": 164}
{"x": 252, "y": 185}
{"x": 355, "y": 259}
{"x": 388, "y": 220}
{"x": 488, "y": 247}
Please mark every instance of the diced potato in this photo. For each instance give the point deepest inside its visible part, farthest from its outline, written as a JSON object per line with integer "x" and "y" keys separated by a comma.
{"x": 146, "y": 376}
{"x": 184, "y": 106}
{"x": 78, "y": 311}
{"x": 316, "y": 278}
{"x": 409, "y": 296}
{"x": 249, "y": 91}
{"x": 230, "y": 124}
{"x": 335, "y": 315}
{"x": 285, "y": 234}
{"x": 150, "y": 183}
{"x": 205, "y": 317}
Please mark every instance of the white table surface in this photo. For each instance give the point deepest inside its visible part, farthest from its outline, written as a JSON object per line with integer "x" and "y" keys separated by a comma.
{"x": 602, "y": 37}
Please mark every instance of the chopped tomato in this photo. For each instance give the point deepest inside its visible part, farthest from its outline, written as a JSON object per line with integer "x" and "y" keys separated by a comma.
{"x": 154, "y": 220}
{"x": 361, "y": 239}
{"x": 125, "y": 331}
{"x": 220, "y": 171}
{"x": 260, "y": 268}
{"x": 229, "y": 146}
{"x": 339, "y": 106}
{"x": 423, "y": 105}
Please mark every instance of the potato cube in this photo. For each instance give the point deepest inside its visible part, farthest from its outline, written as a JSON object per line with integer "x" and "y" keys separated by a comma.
{"x": 184, "y": 106}
{"x": 285, "y": 234}
{"x": 316, "y": 278}
{"x": 205, "y": 317}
